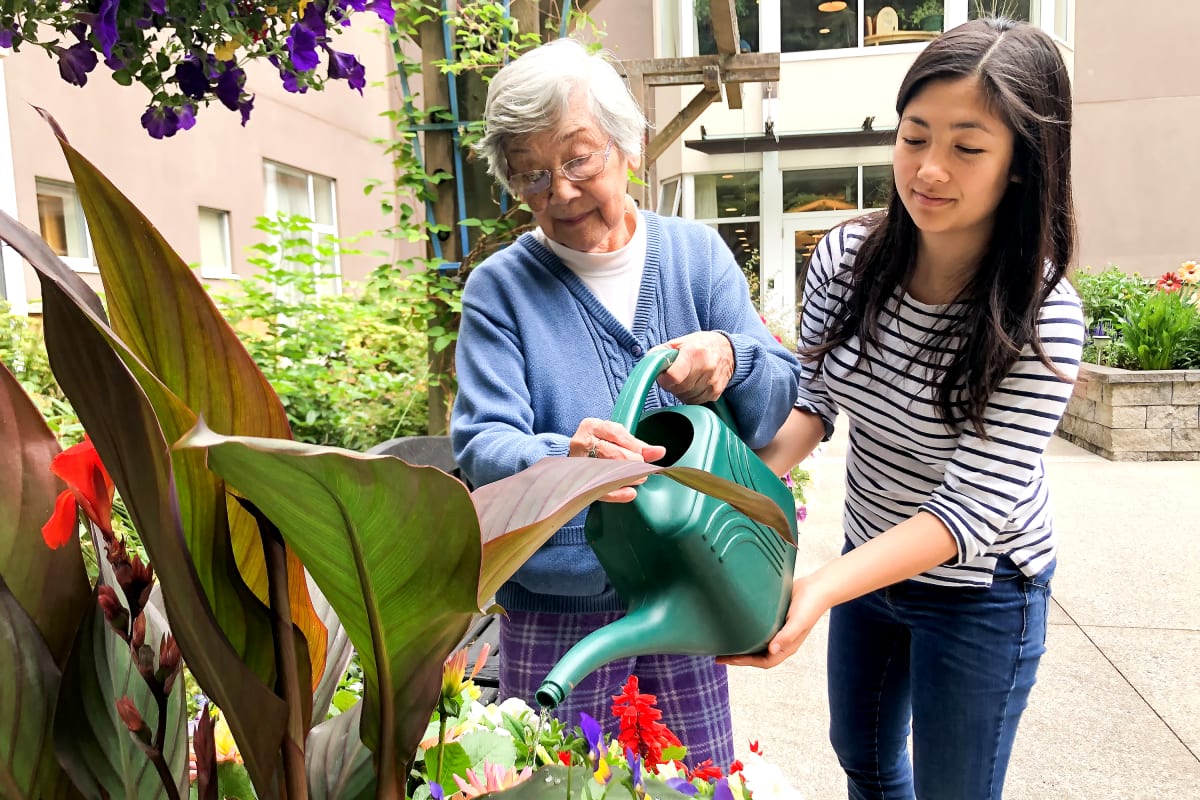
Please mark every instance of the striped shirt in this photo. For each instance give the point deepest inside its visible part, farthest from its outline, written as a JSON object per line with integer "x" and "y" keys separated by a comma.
{"x": 903, "y": 458}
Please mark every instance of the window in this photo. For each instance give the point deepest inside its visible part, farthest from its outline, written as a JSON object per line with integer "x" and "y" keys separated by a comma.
{"x": 60, "y": 216}
{"x": 215, "y": 257}
{"x": 294, "y": 192}
{"x": 729, "y": 202}
{"x": 668, "y": 198}
{"x": 828, "y": 196}
{"x": 1014, "y": 9}
{"x": 747, "y": 19}
{"x": 807, "y": 25}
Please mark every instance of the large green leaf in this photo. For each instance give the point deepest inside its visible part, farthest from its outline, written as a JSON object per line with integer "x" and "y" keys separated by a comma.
{"x": 398, "y": 550}
{"x": 519, "y": 513}
{"x": 93, "y": 744}
{"x": 394, "y": 548}
{"x": 94, "y": 370}
{"x": 51, "y": 585}
{"x": 166, "y": 318}
{"x": 28, "y": 686}
{"x": 339, "y": 765}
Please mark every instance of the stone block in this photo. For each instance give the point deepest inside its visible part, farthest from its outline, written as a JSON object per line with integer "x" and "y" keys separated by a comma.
{"x": 1185, "y": 439}
{"x": 1172, "y": 416}
{"x": 1125, "y": 416}
{"x": 1134, "y": 439}
{"x": 1185, "y": 392}
{"x": 1138, "y": 394}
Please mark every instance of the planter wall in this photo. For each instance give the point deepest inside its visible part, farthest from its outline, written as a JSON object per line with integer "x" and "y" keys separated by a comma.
{"x": 1126, "y": 415}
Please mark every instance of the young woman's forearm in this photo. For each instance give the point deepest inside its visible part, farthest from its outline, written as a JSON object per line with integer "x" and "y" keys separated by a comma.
{"x": 905, "y": 551}
{"x": 802, "y": 431}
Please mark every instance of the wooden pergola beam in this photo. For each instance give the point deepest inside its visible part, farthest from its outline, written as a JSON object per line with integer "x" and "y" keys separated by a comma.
{"x": 725, "y": 31}
{"x": 739, "y": 68}
{"x": 675, "y": 128}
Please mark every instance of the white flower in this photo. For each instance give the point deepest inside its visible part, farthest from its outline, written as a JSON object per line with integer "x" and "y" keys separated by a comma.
{"x": 765, "y": 780}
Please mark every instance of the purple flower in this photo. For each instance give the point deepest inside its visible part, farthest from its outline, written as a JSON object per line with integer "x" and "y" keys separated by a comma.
{"x": 635, "y": 769}
{"x": 593, "y": 735}
{"x": 7, "y": 37}
{"x": 160, "y": 122}
{"x": 192, "y": 80}
{"x": 105, "y": 26}
{"x": 682, "y": 786}
{"x": 187, "y": 116}
{"x": 158, "y": 6}
{"x": 76, "y": 62}
{"x": 721, "y": 790}
{"x": 801, "y": 513}
{"x": 345, "y": 65}
{"x": 246, "y": 105}
{"x": 384, "y": 9}
{"x": 436, "y": 791}
{"x": 302, "y": 47}
{"x": 291, "y": 82}
{"x": 229, "y": 87}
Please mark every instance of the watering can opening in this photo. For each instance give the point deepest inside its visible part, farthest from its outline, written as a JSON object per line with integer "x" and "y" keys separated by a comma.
{"x": 672, "y": 431}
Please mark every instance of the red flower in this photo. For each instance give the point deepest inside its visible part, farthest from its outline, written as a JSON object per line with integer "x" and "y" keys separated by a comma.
{"x": 641, "y": 732}
{"x": 706, "y": 770}
{"x": 1169, "y": 282}
{"x": 736, "y": 767}
{"x": 89, "y": 489}
{"x": 564, "y": 757}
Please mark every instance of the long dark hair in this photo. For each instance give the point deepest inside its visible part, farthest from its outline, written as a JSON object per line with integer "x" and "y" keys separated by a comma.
{"x": 1025, "y": 82}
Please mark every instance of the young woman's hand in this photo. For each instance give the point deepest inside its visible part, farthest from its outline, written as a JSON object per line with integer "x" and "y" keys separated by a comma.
{"x": 805, "y": 610}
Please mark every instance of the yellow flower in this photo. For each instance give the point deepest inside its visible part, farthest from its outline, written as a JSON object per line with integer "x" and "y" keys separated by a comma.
{"x": 226, "y": 50}
{"x": 227, "y": 749}
{"x": 1188, "y": 272}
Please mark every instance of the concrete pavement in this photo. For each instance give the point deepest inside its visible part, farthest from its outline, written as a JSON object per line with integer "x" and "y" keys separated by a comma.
{"x": 1115, "y": 714}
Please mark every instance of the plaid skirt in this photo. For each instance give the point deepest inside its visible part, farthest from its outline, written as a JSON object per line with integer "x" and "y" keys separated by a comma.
{"x": 692, "y": 691}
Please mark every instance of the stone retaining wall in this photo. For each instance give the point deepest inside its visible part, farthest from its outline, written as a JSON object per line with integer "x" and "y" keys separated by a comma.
{"x": 1126, "y": 415}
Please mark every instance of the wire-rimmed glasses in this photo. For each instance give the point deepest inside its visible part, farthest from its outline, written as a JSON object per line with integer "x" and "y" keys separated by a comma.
{"x": 586, "y": 166}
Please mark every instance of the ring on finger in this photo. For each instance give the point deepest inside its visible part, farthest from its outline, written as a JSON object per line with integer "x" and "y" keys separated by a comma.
{"x": 591, "y": 453}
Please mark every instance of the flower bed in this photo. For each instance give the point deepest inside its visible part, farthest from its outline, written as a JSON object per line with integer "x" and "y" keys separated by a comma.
{"x": 1129, "y": 415}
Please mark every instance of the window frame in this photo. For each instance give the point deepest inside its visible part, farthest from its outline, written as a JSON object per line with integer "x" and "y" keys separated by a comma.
{"x": 69, "y": 192}
{"x": 316, "y": 229}
{"x": 225, "y": 272}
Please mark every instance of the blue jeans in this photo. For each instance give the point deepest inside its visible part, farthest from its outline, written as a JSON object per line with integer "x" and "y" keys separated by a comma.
{"x": 957, "y": 662}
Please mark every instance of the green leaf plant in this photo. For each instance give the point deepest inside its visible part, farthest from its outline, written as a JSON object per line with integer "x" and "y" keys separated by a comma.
{"x": 237, "y": 519}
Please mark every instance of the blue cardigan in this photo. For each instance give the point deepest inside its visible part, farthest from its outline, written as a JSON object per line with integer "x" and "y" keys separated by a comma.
{"x": 537, "y": 353}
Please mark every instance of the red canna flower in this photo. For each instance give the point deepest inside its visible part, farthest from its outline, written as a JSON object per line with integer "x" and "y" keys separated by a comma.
{"x": 641, "y": 732}
{"x": 89, "y": 489}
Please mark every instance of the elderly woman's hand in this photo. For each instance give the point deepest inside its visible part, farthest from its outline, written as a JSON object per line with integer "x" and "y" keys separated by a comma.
{"x": 600, "y": 438}
{"x": 703, "y": 368}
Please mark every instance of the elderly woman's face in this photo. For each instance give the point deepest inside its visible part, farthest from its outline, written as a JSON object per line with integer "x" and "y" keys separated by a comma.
{"x": 588, "y": 215}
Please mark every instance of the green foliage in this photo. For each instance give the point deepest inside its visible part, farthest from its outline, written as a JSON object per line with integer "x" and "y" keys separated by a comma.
{"x": 24, "y": 353}
{"x": 1105, "y": 295}
{"x": 1152, "y": 329}
{"x": 349, "y": 368}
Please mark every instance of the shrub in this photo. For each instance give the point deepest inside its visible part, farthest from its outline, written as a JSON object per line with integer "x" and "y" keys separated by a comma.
{"x": 349, "y": 368}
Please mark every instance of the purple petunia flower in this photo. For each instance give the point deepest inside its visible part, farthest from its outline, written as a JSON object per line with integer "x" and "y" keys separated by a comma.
{"x": 75, "y": 62}
{"x": 105, "y": 26}
{"x": 245, "y": 106}
{"x": 160, "y": 122}
{"x": 158, "y": 6}
{"x": 7, "y": 37}
{"x": 302, "y": 48}
{"x": 384, "y": 9}
{"x": 345, "y": 65}
{"x": 229, "y": 87}
{"x": 191, "y": 78}
{"x": 292, "y": 83}
{"x": 187, "y": 117}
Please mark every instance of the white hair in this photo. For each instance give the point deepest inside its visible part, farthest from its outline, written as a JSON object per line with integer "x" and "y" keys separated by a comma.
{"x": 533, "y": 93}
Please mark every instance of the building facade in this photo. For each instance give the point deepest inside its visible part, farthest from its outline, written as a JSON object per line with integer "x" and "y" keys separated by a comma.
{"x": 309, "y": 154}
{"x": 814, "y": 149}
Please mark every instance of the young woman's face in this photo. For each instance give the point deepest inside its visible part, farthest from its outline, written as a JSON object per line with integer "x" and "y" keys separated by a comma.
{"x": 587, "y": 215}
{"x": 953, "y": 160}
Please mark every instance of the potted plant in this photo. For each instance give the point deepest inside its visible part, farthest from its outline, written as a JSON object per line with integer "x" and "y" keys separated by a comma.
{"x": 928, "y": 15}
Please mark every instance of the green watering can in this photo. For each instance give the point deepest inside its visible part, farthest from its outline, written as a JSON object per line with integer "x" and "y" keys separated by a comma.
{"x": 698, "y": 576}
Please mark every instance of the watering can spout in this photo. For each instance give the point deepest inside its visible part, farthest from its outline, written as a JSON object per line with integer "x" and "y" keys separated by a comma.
{"x": 647, "y": 630}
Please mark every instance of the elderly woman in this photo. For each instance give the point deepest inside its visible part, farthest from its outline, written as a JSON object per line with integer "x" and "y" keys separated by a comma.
{"x": 552, "y": 327}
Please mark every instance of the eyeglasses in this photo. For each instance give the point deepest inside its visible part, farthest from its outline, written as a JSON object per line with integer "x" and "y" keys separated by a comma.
{"x": 536, "y": 181}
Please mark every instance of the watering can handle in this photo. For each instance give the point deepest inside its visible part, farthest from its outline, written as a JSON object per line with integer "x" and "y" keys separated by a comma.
{"x": 637, "y": 387}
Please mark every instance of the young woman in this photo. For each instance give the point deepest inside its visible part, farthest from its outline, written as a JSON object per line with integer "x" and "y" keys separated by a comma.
{"x": 945, "y": 331}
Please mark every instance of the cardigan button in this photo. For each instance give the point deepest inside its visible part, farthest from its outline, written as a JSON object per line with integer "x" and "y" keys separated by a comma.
{"x": 637, "y": 351}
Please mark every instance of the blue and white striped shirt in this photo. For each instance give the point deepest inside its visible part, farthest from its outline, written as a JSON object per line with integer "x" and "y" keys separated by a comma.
{"x": 903, "y": 458}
